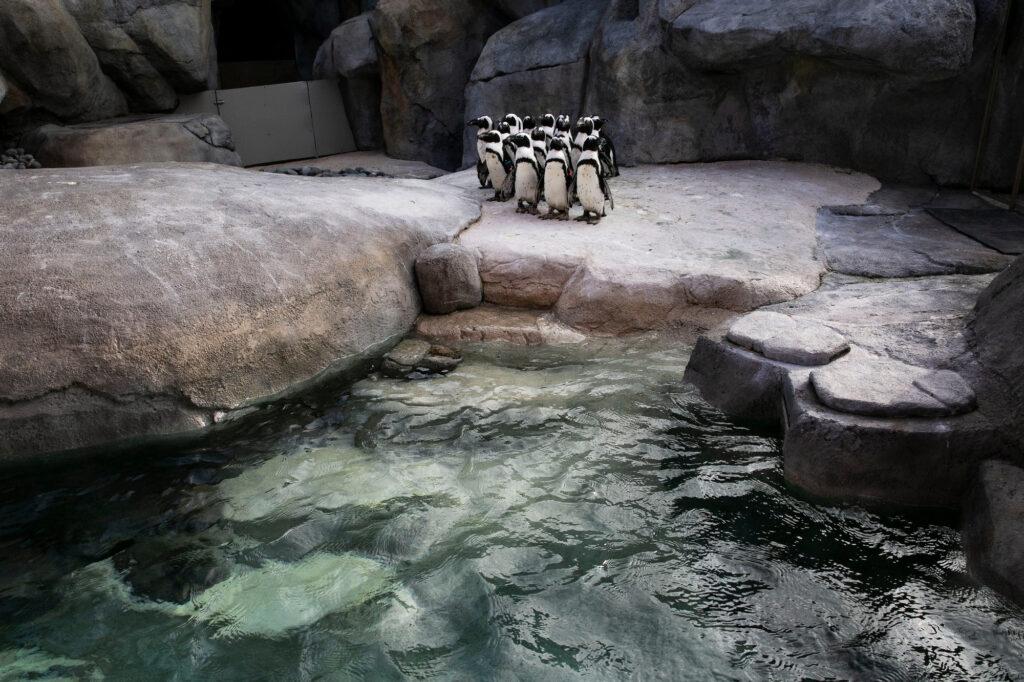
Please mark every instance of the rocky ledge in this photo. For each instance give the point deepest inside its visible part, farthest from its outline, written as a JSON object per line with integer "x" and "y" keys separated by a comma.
{"x": 146, "y": 301}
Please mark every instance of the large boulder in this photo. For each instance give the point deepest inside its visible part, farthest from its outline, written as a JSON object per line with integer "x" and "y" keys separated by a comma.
{"x": 45, "y": 53}
{"x": 350, "y": 55}
{"x": 994, "y": 528}
{"x": 179, "y": 137}
{"x": 176, "y": 36}
{"x": 927, "y": 39}
{"x": 145, "y": 301}
{"x": 517, "y": 9}
{"x": 428, "y": 49}
{"x": 449, "y": 279}
{"x": 996, "y": 343}
{"x": 535, "y": 65}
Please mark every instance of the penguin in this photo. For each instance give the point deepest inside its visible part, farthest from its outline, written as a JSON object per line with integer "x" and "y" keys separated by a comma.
{"x": 506, "y": 140}
{"x": 498, "y": 163}
{"x": 527, "y": 175}
{"x": 484, "y": 123}
{"x": 528, "y": 125}
{"x": 584, "y": 129}
{"x": 557, "y": 180}
{"x": 540, "y": 145}
{"x": 547, "y": 124}
{"x": 562, "y": 129}
{"x": 611, "y": 166}
{"x": 514, "y": 122}
{"x": 590, "y": 183}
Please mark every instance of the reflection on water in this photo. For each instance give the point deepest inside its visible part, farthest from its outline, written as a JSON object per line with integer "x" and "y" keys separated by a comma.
{"x": 551, "y": 514}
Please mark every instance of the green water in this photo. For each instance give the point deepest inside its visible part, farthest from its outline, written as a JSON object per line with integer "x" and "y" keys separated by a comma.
{"x": 538, "y": 514}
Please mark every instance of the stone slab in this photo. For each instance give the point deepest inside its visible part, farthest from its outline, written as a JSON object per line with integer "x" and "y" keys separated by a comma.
{"x": 492, "y": 323}
{"x": 781, "y": 337}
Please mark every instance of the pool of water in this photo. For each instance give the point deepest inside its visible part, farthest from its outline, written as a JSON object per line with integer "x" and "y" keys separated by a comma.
{"x": 537, "y": 514}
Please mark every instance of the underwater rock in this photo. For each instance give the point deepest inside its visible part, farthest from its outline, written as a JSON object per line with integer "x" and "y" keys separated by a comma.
{"x": 417, "y": 357}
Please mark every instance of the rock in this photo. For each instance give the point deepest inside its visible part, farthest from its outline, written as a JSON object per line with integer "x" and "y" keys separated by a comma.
{"x": 177, "y": 38}
{"x": 351, "y": 55}
{"x": 428, "y": 49}
{"x": 684, "y": 244}
{"x": 491, "y": 323}
{"x": 911, "y": 244}
{"x": 175, "y": 137}
{"x": 416, "y": 357}
{"x": 43, "y": 50}
{"x": 881, "y": 387}
{"x": 993, "y": 523}
{"x": 3, "y": 89}
{"x": 926, "y": 39}
{"x": 780, "y": 337}
{"x": 448, "y": 278}
{"x": 128, "y": 314}
{"x": 534, "y": 65}
{"x": 996, "y": 343}
{"x": 121, "y": 57}
{"x": 517, "y": 9}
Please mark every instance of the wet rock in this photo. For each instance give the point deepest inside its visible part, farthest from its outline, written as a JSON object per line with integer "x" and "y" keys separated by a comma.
{"x": 350, "y": 54}
{"x": 993, "y": 532}
{"x": 175, "y": 137}
{"x": 449, "y": 279}
{"x": 428, "y": 49}
{"x": 780, "y": 337}
{"x": 491, "y": 323}
{"x": 44, "y": 51}
{"x": 418, "y": 357}
{"x": 172, "y": 574}
{"x": 881, "y": 387}
{"x": 258, "y": 285}
{"x": 928, "y": 39}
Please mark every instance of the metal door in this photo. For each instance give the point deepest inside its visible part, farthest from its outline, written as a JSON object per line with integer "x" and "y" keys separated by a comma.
{"x": 283, "y": 122}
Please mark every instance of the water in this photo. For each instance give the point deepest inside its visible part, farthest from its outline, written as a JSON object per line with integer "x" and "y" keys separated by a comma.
{"x": 539, "y": 514}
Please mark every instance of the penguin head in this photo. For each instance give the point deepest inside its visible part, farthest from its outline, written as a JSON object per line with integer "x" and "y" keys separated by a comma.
{"x": 585, "y": 125}
{"x": 538, "y": 135}
{"x": 521, "y": 140}
{"x": 563, "y": 123}
{"x": 592, "y": 143}
{"x": 558, "y": 144}
{"x": 512, "y": 120}
{"x": 505, "y": 128}
{"x": 598, "y": 123}
{"x": 528, "y": 123}
{"x": 547, "y": 120}
{"x": 489, "y": 136}
{"x": 483, "y": 123}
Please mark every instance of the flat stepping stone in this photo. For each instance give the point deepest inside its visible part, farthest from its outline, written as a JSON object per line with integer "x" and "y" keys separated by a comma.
{"x": 786, "y": 339}
{"x": 880, "y": 387}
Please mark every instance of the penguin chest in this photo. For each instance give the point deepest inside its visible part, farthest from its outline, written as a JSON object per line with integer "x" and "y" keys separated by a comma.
{"x": 481, "y": 150}
{"x": 495, "y": 169}
{"x": 527, "y": 182}
{"x": 588, "y": 186}
{"x": 555, "y": 191}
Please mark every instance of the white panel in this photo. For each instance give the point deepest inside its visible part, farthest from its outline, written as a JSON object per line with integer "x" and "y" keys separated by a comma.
{"x": 269, "y": 123}
{"x": 330, "y": 123}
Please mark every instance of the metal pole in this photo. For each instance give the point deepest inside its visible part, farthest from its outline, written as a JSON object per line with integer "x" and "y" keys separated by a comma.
{"x": 993, "y": 87}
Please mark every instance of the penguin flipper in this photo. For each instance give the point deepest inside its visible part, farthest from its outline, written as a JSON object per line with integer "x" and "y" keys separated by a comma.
{"x": 606, "y": 188}
{"x": 508, "y": 188}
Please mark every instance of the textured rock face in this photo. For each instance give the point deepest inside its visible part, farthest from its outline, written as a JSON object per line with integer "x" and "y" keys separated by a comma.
{"x": 428, "y": 51}
{"x": 928, "y": 39}
{"x": 997, "y": 325}
{"x": 142, "y": 301}
{"x": 517, "y": 9}
{"x": 448, "y": 278}
{"x": 535, "y": 65}
{"x": 198, "y": 137}
{"x": 350, "y": 55}
{"x": 42, "y": 49}
{"x": 780, "y": 337}
{"x": 994, "y": 528}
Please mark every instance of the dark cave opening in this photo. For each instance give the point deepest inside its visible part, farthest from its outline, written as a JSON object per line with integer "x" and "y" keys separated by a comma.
{"x": 255, "y": 43}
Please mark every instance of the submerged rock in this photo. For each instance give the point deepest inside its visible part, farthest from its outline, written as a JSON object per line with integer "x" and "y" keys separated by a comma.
{"x": 145, "y": 301}
{"x": 414, "y": 357}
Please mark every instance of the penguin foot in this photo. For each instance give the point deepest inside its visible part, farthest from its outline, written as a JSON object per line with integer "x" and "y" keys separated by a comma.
{"x": 547, "y": 216}
{"x": 532, "y": 210}
{"x": 594, "y": 221}
{"x": 563, "y": 216}
{"x": 583, "y": 218}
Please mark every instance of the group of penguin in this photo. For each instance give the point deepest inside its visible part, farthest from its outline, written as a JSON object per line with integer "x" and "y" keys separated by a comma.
{"x": 547, "y": 159}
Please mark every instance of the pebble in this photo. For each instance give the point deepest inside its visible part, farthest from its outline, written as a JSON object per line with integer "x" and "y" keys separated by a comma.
{"x": 15, "y": 158}
{"x": 315, "y": 172}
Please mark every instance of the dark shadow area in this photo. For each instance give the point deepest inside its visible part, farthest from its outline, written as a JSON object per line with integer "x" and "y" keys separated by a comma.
{"x": 255, "y": 43}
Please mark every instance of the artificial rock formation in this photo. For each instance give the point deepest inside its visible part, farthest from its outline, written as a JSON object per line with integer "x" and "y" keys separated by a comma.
{"x": 994, "y": 528}
{"x": 449, "y": 279}
{"x": 186, "y": 137}
{"x": 145, "y": 301}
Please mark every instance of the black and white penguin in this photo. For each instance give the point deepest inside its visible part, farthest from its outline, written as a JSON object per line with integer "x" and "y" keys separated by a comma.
{"x": 557, "y": 181}
{"x": 590, "y": 182}
{"x": 529, "y": 124}
{"x": 514, "y": 123}
{"x": 547, "y": 124}
{"x": 563, "y": 131}
{"x": 498, "y": 163}
{"x": 540, "y": 145}
{"x": 506, "y": 140}
{"x": 527, "y": 175}
{"x": 484, "y": 124}
{"x": 611, "y": 166}
{"x": 584, "y": 129}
